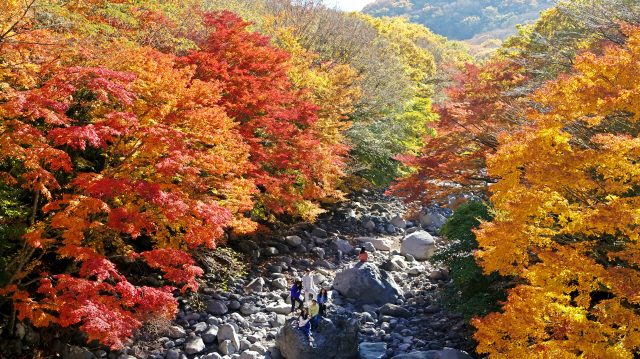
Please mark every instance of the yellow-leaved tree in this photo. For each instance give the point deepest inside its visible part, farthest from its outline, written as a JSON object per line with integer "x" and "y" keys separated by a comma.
{"x": 568, "y": 217}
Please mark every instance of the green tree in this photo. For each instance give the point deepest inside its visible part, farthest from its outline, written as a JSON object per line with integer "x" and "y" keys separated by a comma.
{"x": 472, "y": 293}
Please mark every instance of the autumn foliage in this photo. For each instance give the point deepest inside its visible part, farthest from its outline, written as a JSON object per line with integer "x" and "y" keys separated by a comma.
{"x": 149, "y": 141}
{"x": 567, "y": 220}
{"x": 454, "y": 160}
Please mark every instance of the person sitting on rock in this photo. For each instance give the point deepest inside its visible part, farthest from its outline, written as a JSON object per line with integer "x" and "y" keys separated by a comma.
{"x": 323, "y": 298}
{"x": 307, "y": 283}
{"x": 296, "y": 290}
{"x": 314, "y": 309}
{"x": 363, "y": 256}
{"x": 304, "y": 325}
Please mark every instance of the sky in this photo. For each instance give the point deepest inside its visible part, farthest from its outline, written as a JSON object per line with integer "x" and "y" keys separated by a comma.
{"x": 348, "y": 5}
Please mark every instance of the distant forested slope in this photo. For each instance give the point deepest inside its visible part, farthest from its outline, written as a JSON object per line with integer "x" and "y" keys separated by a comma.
{"x": 463, "y": 19}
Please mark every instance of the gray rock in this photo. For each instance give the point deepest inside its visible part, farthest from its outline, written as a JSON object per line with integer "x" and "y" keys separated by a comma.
{"x": 199, "y": 327}
{"x": 398, "y": 222}
{"x": 244, "y": 345}
{"x": 275, "y": 352}
{"x": 278, "y": 321}
{"x": 394, "y": 311}
{"x": 319, "y": 252}
{"x": 372, "y": 350}
{"x": 341, "y": 245}
{"x": 368, "y": 225}
{"x": 318, "y": 278}
{"x": 279, "y": 283}
{"x": 216, "y": 307}
{"x": 172, "y": 354}
{"x": 269, "y": 251}
{"x": 209, "y": 335}
{"x": 324, "y": 263}
{"x": 379, "y": 243}
{"x": 257, "y": 347}
{"x": 293, "y": 241}
{"x": 420, "y": 245}
{"x": 226, "y": 347}
{"x": 194, "y": 345}
{"x": 432, "y": 219}
{"x": 211, "y": 356}
{"x": 234, "y": 305}
{"x": 249, "y": 354}
{"x": 333, "y": 339}
{"x": 255, "y": 285}
{"x": 367, "y": 284}
{"x": 437, "y": 274}
{"x": 75, "y": 352}
{"x": 279, "y": 309}
{"x": 228, "y": 332}
{"x": 390, "y": 266}
{"x": 368, "y": 246}
{"x": 248, "y": 309}
{"x": 433, "y": 308}
{"x": 319, "y": 232}
{"x": 20, "y": 331}
{"x": 175, "y": 332}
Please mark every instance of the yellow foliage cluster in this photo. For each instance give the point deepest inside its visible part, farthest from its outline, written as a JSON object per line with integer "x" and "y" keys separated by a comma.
{"x": 567, "y": 217}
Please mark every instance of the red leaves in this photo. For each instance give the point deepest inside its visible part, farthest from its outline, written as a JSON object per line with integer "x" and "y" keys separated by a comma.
{"x": 177, "y": 266}
{"x": 273, "y": 118}
{"x": 151, "y": 145}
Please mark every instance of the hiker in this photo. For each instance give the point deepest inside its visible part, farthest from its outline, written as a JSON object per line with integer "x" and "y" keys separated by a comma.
{"x": 314, "y": 309}
{"x": 307, "y": 283}
{"x": 323, "y": 298}
{"x": 363, "y": 256}
{"x": 296, "y": 290}
{"x": 303, "y": 323}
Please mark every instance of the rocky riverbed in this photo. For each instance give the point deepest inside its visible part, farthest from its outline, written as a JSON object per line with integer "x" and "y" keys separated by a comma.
{"x": 381, "y": 309}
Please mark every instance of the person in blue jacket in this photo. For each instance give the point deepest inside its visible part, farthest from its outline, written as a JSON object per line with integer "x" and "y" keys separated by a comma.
{"x": 322, "y": 301}
{"x": 296, "y": 291}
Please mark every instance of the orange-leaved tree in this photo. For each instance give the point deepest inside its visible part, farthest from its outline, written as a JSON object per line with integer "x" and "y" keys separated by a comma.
{"x": 139, "y": 149}
{"x": 480, "y": 105}
{"x": 567, "y": 217}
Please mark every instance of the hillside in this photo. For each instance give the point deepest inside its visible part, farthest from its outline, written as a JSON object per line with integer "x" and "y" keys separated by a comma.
{"x": 463, "y": 19}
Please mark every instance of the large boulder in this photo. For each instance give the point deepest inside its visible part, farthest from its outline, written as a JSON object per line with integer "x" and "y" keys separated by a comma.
{"x": 335, "y": 338}
{"x": 420, "y": 245}
{"x": 379, "y": 243}
{"x": 367, "y": 284}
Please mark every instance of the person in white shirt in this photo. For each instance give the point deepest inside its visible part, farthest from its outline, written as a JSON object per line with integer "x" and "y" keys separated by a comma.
{"x": 307, "y": 283}
{"x": 304, "y": 325}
